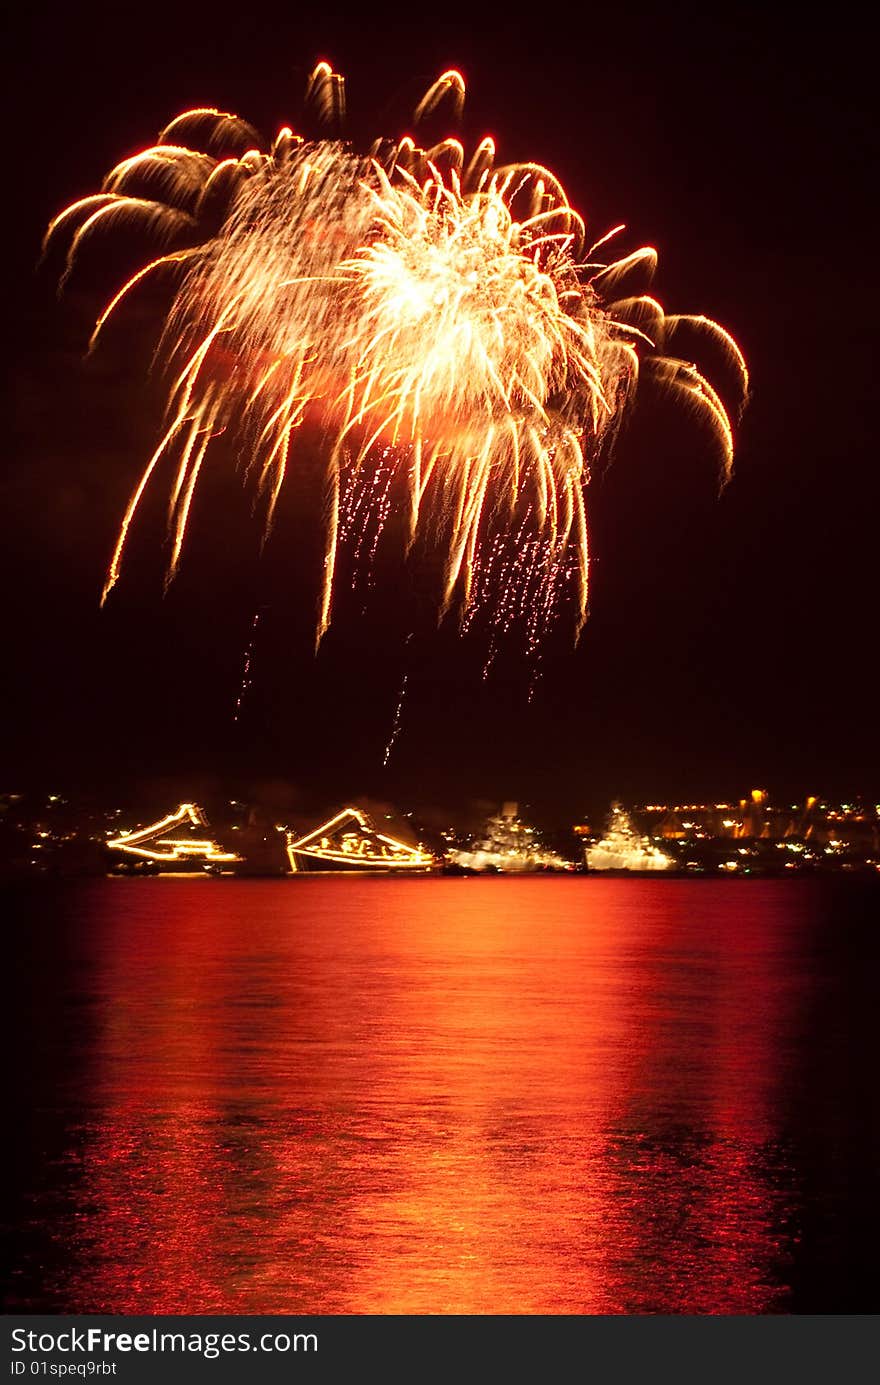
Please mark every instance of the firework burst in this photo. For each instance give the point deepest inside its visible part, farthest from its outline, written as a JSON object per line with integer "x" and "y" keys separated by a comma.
{"x": 437, "y": 317}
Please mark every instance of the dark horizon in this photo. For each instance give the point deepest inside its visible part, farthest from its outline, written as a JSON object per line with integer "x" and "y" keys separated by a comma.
{"x": 730, "y": 641}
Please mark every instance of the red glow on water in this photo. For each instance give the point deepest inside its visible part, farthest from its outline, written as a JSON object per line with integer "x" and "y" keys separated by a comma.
{"x": 442, "y": 1096}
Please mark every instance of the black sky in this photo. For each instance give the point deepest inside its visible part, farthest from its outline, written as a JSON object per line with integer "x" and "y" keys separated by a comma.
{"x": 731, "y": 640}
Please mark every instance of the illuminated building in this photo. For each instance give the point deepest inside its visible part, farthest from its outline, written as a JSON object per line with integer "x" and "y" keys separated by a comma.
{"x": 175, "y": 843}
{"x": 351, "y": 842}
{"x": 772, "y": 838}
{"x": 672, "y": 829}
{"x": 754, "y": 820}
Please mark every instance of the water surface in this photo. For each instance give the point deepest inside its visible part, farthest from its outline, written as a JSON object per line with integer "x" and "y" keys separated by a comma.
{"x": 349, "y": 1095}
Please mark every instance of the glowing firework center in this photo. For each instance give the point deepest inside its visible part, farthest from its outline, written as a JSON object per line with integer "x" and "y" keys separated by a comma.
{"x": 167, "y": 843}
{"x": 350, "y": 841}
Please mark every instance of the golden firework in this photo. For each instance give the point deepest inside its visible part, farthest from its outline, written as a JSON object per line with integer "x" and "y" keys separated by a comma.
{"x": 438, "y": 317}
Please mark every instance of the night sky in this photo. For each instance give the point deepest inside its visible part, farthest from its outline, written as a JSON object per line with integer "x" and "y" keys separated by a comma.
{"x": 731, "y": 637}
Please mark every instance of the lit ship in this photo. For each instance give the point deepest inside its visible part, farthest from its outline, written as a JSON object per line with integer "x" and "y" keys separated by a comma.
{"x": 176, "y": 844}
{"x": 350, "y": 842}
{"x": 623, "y": 849}
{"x": 507, "y": 846}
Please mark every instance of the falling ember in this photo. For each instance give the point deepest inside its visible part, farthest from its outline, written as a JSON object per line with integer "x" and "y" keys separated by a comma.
{"x": 395, "y": 725}
{"x": 398, "y": 714}
{"x": 246, "y": 672}
{"x": 438, "y": 318}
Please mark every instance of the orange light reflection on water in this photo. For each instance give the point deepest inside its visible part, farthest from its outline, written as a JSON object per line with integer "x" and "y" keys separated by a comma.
{"x": 347, "y": 1096}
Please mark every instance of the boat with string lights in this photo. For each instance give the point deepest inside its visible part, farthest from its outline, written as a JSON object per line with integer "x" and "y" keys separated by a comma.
{"x": 622, "y": 848}
{"x": 350, "y": 841}
{"x": 176, "y": 844}
{"x": 507, "y": 846}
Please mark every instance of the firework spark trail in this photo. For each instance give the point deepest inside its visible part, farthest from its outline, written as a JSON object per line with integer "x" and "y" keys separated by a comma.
{"x": 395, "y": 725}
{"x": 365, "y": 506}
{"x": 429, "y": 314}
{"x": 246, "y": 676}
{"x": 398, "y": 712}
